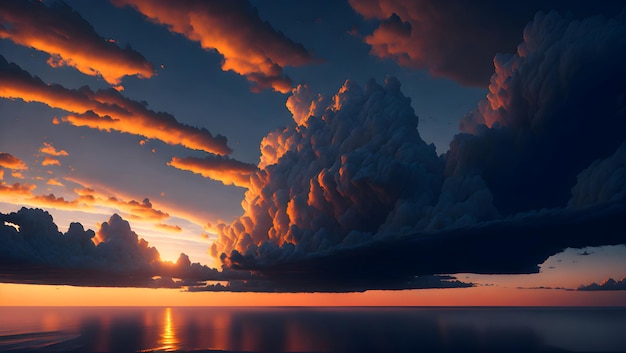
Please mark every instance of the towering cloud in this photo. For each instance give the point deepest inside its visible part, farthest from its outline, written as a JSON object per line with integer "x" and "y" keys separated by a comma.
{"x": 39, "y": 253}
{"x": 249, "y": 45}
{"x": 351, "y": 194}
{"x": 70, "y": 40}
{"x": 456, "y": 39}
{"x": 353, "y": 171}
{"x": 226, "y": 170}
{"x": 552, "y": 109}
{"x": 107, "y": 110}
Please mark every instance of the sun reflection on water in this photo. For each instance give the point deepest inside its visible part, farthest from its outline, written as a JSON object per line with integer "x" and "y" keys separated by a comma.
{"x": 169, "y": 342}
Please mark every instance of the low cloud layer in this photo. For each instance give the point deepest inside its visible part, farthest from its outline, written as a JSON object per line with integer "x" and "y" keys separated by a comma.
{"x": 249, "y": 45}
{"x": 61, "y": 32}
{"x": 107, "y": 110}
{"x": 457, "y": 39}
{"x": 36, "y": 252}
{"x": 609, "y": 284}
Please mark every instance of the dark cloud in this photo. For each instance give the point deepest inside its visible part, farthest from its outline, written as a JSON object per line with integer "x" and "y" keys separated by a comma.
{"x": 38, "y": 253}
{"x": 106, "y": 110}
{"x": 249, "y": 45}
{"x": 329, "y": 284}
{"x": 609, "y": 284}
{"x": 350, "y": 192}
{"x": 54, "y": 28}
{"x": 458, "y": 39}
{"x": 553, "y": 108}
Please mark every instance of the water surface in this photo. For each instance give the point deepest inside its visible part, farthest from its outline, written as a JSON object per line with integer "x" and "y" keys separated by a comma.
{"x": 312, "y": 329}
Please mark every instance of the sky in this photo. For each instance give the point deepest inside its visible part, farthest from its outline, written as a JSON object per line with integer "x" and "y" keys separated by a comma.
{"x": 379, "y": 152}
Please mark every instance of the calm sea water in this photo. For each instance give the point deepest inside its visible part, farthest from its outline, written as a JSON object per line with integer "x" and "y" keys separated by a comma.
{"x": 148, "y": 329}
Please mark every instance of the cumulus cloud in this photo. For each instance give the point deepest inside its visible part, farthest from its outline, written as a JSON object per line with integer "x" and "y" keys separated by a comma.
{"x": 10, "y": 162}
{"x": 553, "y": 108}
{"x": 609, "y": 284}
{"x": 349, "y": 191}
{"x": 351, "y": 178}
{"x": 249, "y": 45}
{"x": 113, "y": 256}
{"x": 227, "y": 170}
{"x": 107, "y": 110}
{"x": 48, "y": 161}
{"x": 70, "y": 40}
{"x": 54, "y": 182}
{"x": 51, "y": 150}
{"x": 456, "y": 39}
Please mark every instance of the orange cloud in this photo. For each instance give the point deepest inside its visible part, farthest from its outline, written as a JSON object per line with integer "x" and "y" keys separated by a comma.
{"x": 169, "y": 227}
{"x": 107, "y": 110}
{"x": 10, "y": 162}
{"x": 132, "y": 209}
{"x": 54, "y": 182}
{"x": 69, "y": 40}
{"x": 1, "y": 174}
{"x": 16, "y": 189}
{"x": 50, "y": 161}
{"x": 228, "y": 171}
{"x": 17, "y": 174}
{"x": 49, "y": 149}
{"x": 249, "y": 45}
{"x": 52, "y": 201}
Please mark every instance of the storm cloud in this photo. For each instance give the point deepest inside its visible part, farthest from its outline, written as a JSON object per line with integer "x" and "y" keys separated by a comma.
{"x": 553, "y": 108}
{"x": 350, "y": 192}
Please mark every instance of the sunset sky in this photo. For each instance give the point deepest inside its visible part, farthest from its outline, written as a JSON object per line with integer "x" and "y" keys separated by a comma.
{"x": 376, "y": 152}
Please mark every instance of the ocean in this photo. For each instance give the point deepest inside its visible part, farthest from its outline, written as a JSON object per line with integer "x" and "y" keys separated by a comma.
{"x": 312, "y": 329}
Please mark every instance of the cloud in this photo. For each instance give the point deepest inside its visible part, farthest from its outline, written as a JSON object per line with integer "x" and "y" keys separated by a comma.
{"x": 350, "y": 192}
{"x": 249, "y": 45}
{"x": 10, "y": 162}
{"x": 69, "y": 40}
{"x": 16, "y": 189}
{"x": 88, "y": 200}
{"x": 39, "y": 254}
{"x": 54, "y": 182}
{"x": 329, "y": 285}
{"x": 49, "y": 149}
{"x": 602, "y": 181}
{"x": 228, "y": 171}
{"x": 48, "y": 161}
{"x": 107, "y": 110}
{"x": 352, "y": 174}
{"x": 456, "y": 39}
{"x": 609, "y": 284}
{"x": 169, "y": 227}
{"x": 552, "y": 110}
